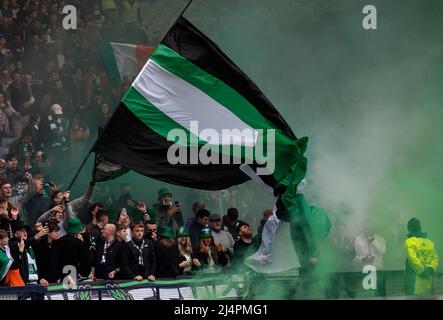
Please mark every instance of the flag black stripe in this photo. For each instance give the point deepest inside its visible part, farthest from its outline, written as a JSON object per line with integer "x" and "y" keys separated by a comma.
{"x": 193, "y": 45}
{"x": 130, "y": 143}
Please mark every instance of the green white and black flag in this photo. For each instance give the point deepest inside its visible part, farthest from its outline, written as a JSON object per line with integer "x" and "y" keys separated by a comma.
{"x": 189, "y": 80}
{"x": 190, "y": 86}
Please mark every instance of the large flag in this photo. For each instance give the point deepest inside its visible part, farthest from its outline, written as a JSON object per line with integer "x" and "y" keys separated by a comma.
{"x": 189, "y": 85}
{"x": 123, "y": 60}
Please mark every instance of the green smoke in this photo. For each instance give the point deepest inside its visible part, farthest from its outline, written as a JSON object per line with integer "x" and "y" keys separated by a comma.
{"x": 370, "y": 102}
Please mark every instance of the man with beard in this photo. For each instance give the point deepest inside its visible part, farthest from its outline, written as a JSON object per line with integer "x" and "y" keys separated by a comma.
{"x": 222, "y": 239}
{"x": 245, "y": 245}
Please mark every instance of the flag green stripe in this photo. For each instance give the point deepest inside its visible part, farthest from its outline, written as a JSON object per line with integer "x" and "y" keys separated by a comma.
{"x": 213, "y": 87}
{"x": 108, "y": 59}
{"x": 286, "y": 151}
{"x": 151, "y": 116}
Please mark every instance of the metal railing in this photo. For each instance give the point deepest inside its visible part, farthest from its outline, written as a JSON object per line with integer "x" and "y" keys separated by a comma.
{"x": 344, "y": 285}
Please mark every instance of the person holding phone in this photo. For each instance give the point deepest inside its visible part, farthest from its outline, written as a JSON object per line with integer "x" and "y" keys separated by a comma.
{"x": 168, "y": 213}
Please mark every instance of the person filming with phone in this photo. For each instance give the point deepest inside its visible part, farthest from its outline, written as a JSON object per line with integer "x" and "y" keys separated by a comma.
{"x": 168, "y": 213}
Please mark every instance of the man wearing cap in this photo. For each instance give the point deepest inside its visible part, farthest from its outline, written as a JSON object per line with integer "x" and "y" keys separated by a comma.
{"x": 222, "y": 239}
{"x": 73, "y": 250}
{"x": 421, "y": 260}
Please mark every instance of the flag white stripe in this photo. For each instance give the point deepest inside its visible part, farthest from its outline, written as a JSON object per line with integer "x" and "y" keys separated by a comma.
{"x": 184, "y": 103}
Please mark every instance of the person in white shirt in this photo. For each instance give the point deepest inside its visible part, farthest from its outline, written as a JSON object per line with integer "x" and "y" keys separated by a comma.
{"x": 369, "y": 249}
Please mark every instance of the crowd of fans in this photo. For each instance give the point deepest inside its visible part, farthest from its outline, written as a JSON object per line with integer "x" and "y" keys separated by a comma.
{"x": 55, "y": 94}
{"x": 135, "y": 242}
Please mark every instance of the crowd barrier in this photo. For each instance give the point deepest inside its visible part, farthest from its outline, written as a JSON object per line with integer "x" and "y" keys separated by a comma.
{"x": 346, "y": 285}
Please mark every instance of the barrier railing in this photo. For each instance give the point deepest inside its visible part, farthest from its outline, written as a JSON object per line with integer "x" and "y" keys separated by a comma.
{"x": 345, "y": 285}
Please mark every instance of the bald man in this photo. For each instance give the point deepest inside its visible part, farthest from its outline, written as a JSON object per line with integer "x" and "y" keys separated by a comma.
{"x": 107, "y": 262}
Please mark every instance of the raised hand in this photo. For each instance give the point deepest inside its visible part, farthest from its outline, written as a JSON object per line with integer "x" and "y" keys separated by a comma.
{"x": 14, "y": 213}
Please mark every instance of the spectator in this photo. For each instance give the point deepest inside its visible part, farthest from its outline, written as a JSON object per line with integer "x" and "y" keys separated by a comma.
{"x": 187, "y": 260}
{"x": 13, "y": 172}
{"x": 124, "y": 220}
{"x": 106, "y": 262}
{"x": 105, "y": 114}
{"x": 60, "y": 214}
{"x": 37, "y": 202}
{"x": 121, "y": 234}
{"x": 195, "y": 230}
{"x": 151, "y": 230}
{"x": 24, "y": 255}
{"x": 139, "y": 261}
{"x": 17, "y": 201}
{"x": 12, "y": 266}
{"x": 195, "y": 207}
{"x": 22, "y": 101}
{"x": 55, "y": 131}
{"x": 91, "y": 218}
{"x": 230, "y": 222}
{"x": 421, "y": 260}
{"x": 48, "y": 255}
{"x": 167, "y": 254}
{"x": 168, "y": 214}
{"x": 24, "y": 147}
{"x": 340, "y": 251}
{"x": 265, "y": 215}
{"x": 369, "y": 249}
{"x": 222, "y": 239}
{"x": 208, "y": 254}
{"x": 244, "y": 246}
{"x": 73, "y": 251}
{"x": 95, "y": 230}
{"x": 127, "y": 202}
{"x": 42, "y": 165}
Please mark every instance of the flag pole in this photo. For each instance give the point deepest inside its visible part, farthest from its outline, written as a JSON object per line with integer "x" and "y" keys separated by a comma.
{"x": 79, "y": 169}
{"x": 109, "y": 120}
{"x": 190, "y": 1}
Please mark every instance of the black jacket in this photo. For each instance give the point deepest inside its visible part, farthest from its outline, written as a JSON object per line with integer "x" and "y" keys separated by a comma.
{"x": 130, "y": 265}
{"x": 74, "y": 253}
{"x": 49, "y": 260}
{"x": 21, "y": 258}
{"x": 167, "y": 260}
{"x": 112, "y": 258}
